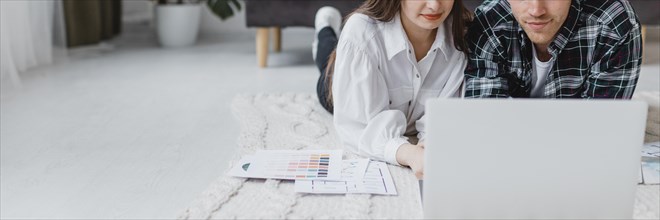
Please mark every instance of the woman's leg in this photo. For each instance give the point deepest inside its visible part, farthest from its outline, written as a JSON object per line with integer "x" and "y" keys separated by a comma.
{"x": 327, "y": 44}
{"x": 327, "y": 22}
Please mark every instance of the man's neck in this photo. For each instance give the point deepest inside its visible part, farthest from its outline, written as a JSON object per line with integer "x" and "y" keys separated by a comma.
{"x": 542, "y": 52}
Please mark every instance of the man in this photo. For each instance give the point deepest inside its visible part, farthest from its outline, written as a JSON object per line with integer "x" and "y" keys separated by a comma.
{"x": 553, "y": 49}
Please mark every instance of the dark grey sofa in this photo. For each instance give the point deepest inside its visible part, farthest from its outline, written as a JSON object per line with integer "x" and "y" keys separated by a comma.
{"x": 267, "y": 15}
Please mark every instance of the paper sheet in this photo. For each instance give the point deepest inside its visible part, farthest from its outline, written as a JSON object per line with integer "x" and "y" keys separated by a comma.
{"x": 376, "y": 180}
{"x": 650, "y": 163}
{"x": 651, "y": 171}
{"x": 242, "y": 167}
{"x": 291, "y": 165}
{"x": 651, "y": 149}
{"x": 354, "y": 169}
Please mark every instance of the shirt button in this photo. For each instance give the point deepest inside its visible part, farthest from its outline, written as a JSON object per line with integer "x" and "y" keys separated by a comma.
{"x": 418, "y": 75}
{"x": 434, "y": 50}
{"x": 409, "y": 51}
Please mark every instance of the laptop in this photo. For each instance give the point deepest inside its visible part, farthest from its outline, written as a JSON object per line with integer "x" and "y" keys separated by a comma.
{"x": 532, "y": 158}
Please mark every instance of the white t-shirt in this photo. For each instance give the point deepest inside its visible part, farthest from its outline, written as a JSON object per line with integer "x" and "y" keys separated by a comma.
{"x": 540, "y": 71}
{"x": 379, "y": 89}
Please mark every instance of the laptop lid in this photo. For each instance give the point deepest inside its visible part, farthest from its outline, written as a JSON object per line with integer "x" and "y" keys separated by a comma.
{"x": 532, "y": 158}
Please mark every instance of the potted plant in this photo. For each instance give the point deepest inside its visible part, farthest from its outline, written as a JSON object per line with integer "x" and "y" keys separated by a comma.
{"x": 177, "y": 21}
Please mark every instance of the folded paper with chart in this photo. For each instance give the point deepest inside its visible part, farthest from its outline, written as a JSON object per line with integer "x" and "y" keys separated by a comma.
{"x": 317, "y": 171}
{"x": 358, "y": 176}
{"x": 650, "y": 164}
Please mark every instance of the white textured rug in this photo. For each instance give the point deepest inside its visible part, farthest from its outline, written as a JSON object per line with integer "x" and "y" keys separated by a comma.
{"x": 294, "y": 121}
{"x": 297, "y": 121}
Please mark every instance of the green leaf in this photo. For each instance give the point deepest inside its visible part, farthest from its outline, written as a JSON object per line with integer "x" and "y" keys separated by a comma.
{"x": 223, "y": 8}
{"x": 237, "y": 4}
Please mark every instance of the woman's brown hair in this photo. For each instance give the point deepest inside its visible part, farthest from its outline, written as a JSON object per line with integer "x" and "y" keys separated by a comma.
{"x": 385, "y": 10}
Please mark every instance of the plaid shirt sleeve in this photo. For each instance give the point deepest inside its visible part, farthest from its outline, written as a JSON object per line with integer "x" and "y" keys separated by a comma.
{"x": 484, "y": 74}
{"x": 615, "y": 72}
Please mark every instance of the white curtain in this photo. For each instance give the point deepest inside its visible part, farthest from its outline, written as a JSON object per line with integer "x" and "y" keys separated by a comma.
{"x": 28, "y": 32}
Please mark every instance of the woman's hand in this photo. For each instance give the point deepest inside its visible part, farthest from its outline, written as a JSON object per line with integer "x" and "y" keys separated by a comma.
{"x": 412, "y": 156}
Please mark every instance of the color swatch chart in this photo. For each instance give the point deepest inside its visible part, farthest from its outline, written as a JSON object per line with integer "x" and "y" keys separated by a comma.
{"x": 301, "y": 164}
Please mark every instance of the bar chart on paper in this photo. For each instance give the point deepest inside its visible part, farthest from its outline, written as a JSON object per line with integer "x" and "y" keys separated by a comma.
{"x": 378, "y": 180}
{"x": 310, "y": 164}
{"x": 375, "y": 179}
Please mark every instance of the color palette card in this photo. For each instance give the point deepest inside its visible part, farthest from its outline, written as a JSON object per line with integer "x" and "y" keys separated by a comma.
{"x": 297, "y": 164}
{"x": 376, "y": 180}
{"x": 242, "y": 167}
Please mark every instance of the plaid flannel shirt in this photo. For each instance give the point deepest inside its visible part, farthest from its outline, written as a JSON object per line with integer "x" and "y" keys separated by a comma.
{"x": 596, "y": 54}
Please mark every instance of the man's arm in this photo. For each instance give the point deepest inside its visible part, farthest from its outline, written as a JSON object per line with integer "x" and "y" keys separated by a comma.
{"x": 615, "y": 72}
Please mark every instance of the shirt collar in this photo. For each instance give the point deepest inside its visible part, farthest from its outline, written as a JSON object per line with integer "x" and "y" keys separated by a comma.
{"x": 394, "y": 36}
{"x": 567, "y": 29}
{"x": 396, "y": 40}
{"x": 441, "y": 40}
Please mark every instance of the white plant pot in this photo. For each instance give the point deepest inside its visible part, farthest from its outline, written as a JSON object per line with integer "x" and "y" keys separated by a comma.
{"x": 178, "y": 25}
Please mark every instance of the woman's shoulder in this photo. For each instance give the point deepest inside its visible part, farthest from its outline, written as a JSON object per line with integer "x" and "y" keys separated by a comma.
{"x": 359, "y": 28}
{"x": 361, "y": 20}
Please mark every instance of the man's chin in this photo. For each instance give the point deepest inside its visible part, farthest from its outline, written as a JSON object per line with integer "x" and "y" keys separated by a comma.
{"x": 541, "y": 39}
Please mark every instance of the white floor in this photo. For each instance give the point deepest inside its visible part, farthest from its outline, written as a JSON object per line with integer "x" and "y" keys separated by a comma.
{"x": 134, "y": 132}
{"x": 137, "y": 131}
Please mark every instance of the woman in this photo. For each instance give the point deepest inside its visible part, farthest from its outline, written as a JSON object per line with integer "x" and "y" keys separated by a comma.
{"x": 392, "y": 56}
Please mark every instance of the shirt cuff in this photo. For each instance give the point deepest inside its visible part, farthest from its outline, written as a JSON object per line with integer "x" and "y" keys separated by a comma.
{"x": 421, "y": 137}
{"x": 391, "y": 147}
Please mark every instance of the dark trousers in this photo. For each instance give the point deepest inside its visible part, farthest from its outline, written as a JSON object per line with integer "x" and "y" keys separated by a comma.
{"x": 326, "y": 44}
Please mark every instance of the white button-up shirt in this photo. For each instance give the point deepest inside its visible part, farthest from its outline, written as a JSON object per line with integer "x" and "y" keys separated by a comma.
{"x": 379, "y": 89}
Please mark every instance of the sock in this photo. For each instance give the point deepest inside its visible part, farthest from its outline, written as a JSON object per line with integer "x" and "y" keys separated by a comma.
{"x": 325, "y": 16}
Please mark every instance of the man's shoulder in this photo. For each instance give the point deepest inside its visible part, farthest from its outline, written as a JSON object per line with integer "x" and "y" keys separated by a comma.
{"x": 493, "y": 24}
{"x": 493, "y": 18}
{"x": 615, "y": 15}
{"x": 495, "y": 13}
